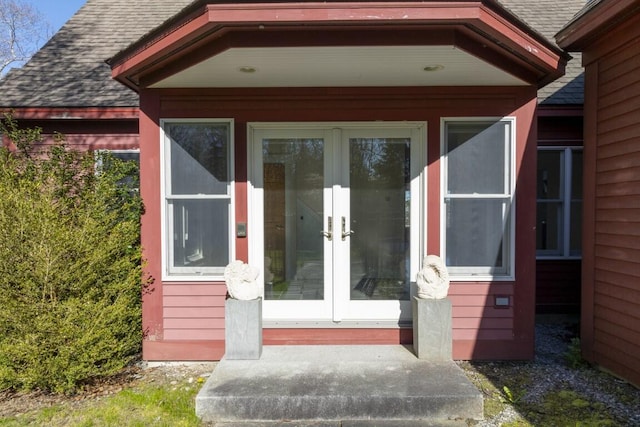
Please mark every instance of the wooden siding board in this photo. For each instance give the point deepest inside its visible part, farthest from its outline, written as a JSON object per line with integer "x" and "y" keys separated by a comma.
{"x": 481, "y": 289}
{"x": 193, "y": 334}
{"x": 482, "y": 312}
{"x": 620, "y": 241}
{"x": 477, "y": 323}
{"x": 194, "y": 323}
{"x": 630, "y": 133}
{"x": 626, "y": 353}
{"x": 618, "y": 89}
{"x": 630, "y": 229}
{"x": 198, "y": 312}
{"x": 183, "y": 350}
{"x": 624, "y": 267}
{"x": 630, "y": 174}
{"x": 193, "y": 301}
{"x": 619, "y": 189}
{"x": 617, "y": 130}
{"x": 621, "y": 147}
{"x": 619, "y": 63}
{"x": 621, "y": 121}
{"x": 613, "y": 202}
{"x": 627, "y": 371}
{"x": 482, "y": 334}
{"x": 187, "y": 289}
{"x": 618, "y": 110}
{"x": 619, "y": 215}
{"x": 628, "y": 160}
{"x": 617, "y": 326}
{"x": 622, "y": 308}
{"x": 614, "y": 282}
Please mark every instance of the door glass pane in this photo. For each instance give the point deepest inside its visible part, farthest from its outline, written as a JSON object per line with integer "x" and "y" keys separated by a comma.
{"x": 379, "y": 182}
{"x": 293, "y": 174}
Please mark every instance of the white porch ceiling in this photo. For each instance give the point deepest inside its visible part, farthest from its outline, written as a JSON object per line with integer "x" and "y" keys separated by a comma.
{"x": 341, "y": 67}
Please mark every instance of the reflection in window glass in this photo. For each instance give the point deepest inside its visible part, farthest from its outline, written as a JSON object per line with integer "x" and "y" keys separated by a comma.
{"x": 199, "y": 160}
{"x": 199, "y": 241}
{"x": 293, "y": 180}
{"x": 379, "y": 181}
{"x": 559, "y": 211}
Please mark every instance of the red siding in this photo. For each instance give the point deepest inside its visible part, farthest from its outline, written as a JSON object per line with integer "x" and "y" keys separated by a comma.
{"x": 611, "y": 315}
{"x": 193, "y": 314}
{"x": 558, "y": 286}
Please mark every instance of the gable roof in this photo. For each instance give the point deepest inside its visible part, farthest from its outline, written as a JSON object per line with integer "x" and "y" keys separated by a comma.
{"x": 70, "y": 69}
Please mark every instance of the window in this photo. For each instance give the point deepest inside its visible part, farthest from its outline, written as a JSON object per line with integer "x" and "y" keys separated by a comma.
{"x": 478, "y": 197}
{"x": 198, "y": 184}
{"x": 559, "y": 212}
{"x": 131, "y": 181}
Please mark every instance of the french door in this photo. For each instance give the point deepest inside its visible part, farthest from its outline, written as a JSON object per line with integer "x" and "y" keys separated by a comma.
{"x": 335, "y": 220}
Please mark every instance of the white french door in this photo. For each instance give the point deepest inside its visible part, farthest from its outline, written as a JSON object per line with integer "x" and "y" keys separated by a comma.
{"x": 335, "y": 220}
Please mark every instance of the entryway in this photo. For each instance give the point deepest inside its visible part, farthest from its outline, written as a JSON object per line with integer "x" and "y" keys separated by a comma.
{"x": 336, "y": 220}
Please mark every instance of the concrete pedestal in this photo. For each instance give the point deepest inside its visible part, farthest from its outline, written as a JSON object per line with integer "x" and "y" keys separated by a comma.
{"x": 432, "y": 329}
{"x": 243, "y": 329}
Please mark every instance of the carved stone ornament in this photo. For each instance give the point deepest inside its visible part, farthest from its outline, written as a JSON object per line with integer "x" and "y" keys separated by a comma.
{"x": 241, "y": 280}
{"x": 433, "y": 279}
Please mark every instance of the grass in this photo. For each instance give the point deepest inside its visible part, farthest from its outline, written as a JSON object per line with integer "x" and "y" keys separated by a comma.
{"x": 141, "y": 406}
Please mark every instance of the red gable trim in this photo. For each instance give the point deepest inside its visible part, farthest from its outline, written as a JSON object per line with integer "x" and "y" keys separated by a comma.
{"x": 215, "y": 21}
{"x": 594, "y": 22}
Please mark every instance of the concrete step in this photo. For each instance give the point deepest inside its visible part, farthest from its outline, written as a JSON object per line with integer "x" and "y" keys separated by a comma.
{"x": 338, "y": 383}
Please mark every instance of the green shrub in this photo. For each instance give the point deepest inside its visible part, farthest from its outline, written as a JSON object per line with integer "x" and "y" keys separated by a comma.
{"x": 70, "y": 274}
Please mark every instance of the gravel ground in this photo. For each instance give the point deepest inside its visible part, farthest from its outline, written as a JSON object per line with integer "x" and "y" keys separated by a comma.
{"x": 593, "y": 394}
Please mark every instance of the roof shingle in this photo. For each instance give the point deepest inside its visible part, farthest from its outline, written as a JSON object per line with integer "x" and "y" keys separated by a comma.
{"x": 70, "y": 70}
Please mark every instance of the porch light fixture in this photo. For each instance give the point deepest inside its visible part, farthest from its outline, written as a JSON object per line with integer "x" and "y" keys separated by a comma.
{"x": 247, "y": 69}
{"x": 436, "y": 67}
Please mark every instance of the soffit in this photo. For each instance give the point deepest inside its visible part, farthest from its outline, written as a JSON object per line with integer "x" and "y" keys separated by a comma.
{"x": 341, "y": 66}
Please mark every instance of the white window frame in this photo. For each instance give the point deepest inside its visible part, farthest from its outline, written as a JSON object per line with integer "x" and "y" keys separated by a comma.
{"x": 113, "y": 151}
{"x": 190, "y": 274}
{"x": 566, "y": 199}
{"x": 482, "y": 273}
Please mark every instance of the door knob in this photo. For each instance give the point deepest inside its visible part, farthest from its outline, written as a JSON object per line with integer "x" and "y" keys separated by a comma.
{"x": 329, "y": 233}
{"x": 345, "y": 233}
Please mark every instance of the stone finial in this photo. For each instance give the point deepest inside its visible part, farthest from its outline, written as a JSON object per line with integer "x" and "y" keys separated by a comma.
{"x": 433, "y": 279}
{"x": 241, "y": 280}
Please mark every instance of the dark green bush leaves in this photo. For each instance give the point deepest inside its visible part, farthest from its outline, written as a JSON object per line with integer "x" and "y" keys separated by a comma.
{"x": 70, "y": 274}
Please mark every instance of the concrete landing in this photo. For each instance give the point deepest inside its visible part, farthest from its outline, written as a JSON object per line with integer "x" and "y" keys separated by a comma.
{"x": 338, "y": 383}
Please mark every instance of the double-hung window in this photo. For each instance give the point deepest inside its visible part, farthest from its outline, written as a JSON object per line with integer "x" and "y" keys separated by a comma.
{"x": 559, "y": 213}
{"x": 198, "y": 197}
{"x": 477, "y": 189}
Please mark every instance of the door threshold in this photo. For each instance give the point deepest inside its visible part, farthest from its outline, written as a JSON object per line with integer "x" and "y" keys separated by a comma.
{"x": 327, "y": 324}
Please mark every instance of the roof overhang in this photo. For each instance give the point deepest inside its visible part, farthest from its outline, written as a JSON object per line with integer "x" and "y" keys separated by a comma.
{"x": 594, "y": 21}
{"x": 340, "y": 44}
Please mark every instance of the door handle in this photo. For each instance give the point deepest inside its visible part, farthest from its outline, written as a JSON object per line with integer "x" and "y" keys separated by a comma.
{"x": 328, "y": 234}
{"x": 345, "y": 233}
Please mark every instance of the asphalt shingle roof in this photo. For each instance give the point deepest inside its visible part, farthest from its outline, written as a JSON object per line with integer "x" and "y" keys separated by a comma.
{"x": 70, "y": 69}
